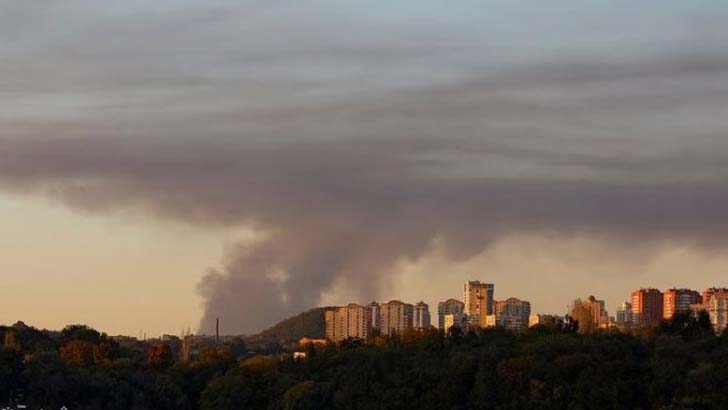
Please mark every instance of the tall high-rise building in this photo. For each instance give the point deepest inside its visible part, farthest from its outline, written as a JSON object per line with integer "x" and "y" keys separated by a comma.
{"x": 598, "y": 311}
{"x": 717, "y": 307}
{"x": 395, "y": 317}
{"x": 590, "y": 314}
{"x": 421, "y": 318}
{"x": 512, "y": 313}
{"x": 624, "y": 314}
{"x": 376, "y": 315}
{"x": 709, "y": 292}
{"x": 647, "y": 306}
{"x": 478, "y": 299}
{"x": 449, "y": 307}
{"x": 351, "y": 321}
{"x": 679, "y": 300}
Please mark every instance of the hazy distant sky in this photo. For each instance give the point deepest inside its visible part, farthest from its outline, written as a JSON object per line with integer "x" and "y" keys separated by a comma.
{"x": 163, "y": 163}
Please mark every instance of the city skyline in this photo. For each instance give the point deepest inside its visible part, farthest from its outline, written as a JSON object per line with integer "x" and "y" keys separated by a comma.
{"x": 648, "y": 308}
{"x": 163, "y": 164}
{"x": 644, "y": 306}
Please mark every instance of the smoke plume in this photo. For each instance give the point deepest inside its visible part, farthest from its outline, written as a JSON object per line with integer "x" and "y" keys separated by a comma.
{"x": 348, "y": 154}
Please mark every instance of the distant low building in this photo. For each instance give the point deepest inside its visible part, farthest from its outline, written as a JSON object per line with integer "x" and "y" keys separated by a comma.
{"x": 299, "y": 355}
{"x": 553, "y": 321}
{"x": 124, "y": 339}
{"x": 305, "y": 341}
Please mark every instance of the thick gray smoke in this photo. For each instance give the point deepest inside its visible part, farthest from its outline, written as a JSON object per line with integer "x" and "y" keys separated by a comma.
{"x": 334, "y": 212}
{"x": 350, "y": 153}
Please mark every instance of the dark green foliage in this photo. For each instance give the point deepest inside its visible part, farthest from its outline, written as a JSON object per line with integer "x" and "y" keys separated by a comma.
{"x": 678, "y": 365}
{"x": 247, "y": 386}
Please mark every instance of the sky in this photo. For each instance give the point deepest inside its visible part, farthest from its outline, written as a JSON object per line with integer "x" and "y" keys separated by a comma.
{"x": 166, "y": 163}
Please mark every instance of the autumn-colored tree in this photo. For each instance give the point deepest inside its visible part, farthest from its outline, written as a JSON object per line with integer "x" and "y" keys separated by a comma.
{"x": 258, "y": 363}
{"x": 77, "y": 353}
{"x": 103, "y": 353}
{"x": 159, "y": 356}
{"x": 410, "y": 337}
{"x": 9, "y": 339}
{"x": 215, "y": 355}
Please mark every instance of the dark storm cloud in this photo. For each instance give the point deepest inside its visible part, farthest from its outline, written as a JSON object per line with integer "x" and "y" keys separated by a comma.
{"x": 352, "y": 142}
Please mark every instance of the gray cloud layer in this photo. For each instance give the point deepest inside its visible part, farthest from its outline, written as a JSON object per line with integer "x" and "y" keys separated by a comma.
{"x": 354, "y": 136}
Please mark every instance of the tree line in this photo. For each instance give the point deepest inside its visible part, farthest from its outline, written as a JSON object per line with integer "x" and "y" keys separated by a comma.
{"x": 680, "y": 364}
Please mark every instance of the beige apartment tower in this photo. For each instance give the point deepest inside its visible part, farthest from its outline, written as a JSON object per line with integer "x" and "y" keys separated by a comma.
{"x": 351, "y": 321}
{"x": 478, "y": 298}
{"x": 395, "y": 317}
{"x": 512, "y": 313}
{"x": 597, "y": 310}
{"x": 716, "y": 305}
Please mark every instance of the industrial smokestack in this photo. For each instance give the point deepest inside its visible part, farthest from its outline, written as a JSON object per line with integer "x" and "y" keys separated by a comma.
{"x": 217, "y": 330}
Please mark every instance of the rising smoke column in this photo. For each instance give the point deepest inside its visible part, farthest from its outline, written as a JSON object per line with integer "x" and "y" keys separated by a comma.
{"x": 348, "y": 153}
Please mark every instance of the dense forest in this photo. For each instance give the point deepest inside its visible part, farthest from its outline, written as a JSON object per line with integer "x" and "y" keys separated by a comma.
{"x": 679, "y": 365}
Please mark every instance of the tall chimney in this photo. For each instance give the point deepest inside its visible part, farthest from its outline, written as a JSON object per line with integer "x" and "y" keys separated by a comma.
{"x": 217, "y": 330}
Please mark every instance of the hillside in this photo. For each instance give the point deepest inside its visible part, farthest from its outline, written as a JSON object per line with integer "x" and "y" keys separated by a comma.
{"x": 311, "y": 324}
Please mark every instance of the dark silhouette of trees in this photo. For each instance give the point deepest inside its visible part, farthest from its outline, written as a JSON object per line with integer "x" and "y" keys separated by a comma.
{"x": 80, "y": 332}
{"x": 679, "y": 364}
{"x": 687, "y": 325}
